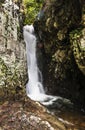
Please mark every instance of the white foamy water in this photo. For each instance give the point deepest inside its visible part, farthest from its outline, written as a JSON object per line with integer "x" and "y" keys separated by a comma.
{"x": 34, "y": 87}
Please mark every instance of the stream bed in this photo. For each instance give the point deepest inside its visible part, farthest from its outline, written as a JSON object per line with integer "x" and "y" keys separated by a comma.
{"x": 70, "y": 116}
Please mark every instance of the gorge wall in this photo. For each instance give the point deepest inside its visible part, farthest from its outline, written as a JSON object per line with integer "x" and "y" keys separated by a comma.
{"x": 59, "y": 26}
{"x": 12, "y": 52}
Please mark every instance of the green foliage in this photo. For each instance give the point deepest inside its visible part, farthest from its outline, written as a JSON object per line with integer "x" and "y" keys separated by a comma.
{"x": 32, "y": 9}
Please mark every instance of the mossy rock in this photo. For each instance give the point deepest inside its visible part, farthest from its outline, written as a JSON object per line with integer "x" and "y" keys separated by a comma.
{"x": 13, "y": 74}
{"x": 77, "y": 38}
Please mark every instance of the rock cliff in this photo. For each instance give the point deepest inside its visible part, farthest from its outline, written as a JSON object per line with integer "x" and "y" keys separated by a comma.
{"x": 60, "y": 27}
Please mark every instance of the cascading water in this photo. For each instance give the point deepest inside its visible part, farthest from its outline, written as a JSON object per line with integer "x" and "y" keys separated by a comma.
{"x": 34, "y": 87}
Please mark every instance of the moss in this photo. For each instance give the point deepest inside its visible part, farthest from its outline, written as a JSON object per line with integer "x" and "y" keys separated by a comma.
{"x": 64, "y": 48}
{"x": 78, "y": 45}
{"x": 11, "y": 77}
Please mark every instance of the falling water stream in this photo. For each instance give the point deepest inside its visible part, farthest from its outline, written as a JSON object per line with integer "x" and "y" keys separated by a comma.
{"x": 34, "y": 87}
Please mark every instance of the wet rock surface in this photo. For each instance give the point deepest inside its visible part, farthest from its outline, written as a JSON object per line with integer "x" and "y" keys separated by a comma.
{"x": 24, "y": 114}
{"x": 64, "y": 70}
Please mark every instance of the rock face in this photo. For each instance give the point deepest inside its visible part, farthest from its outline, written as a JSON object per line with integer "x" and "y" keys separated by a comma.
{"x": 78, "y": 43}
{"x": 24, "y": 114}
{"x": 64, "y": 70}
{"x": 12, "y": 52}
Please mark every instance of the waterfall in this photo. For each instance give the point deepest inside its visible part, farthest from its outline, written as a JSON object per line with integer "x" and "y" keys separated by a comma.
{"x": 34, "y": 87}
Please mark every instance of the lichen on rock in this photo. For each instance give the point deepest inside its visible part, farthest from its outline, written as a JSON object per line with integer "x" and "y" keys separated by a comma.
{"x": 63, "y": 69}
{"x": 12, "y": 52}
{"x": 78, "y": 45}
